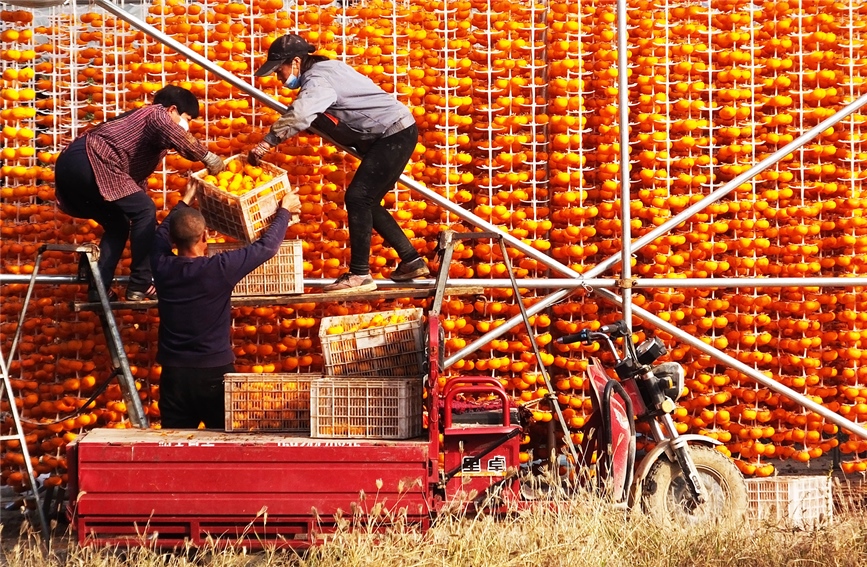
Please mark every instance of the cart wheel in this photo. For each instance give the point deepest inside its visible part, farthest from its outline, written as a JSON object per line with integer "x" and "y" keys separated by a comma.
{"x": 665, "y": 494}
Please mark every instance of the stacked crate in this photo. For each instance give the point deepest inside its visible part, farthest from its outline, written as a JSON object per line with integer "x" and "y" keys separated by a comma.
{"x": 268, "y": 402}
{"x": 373, "y": 386}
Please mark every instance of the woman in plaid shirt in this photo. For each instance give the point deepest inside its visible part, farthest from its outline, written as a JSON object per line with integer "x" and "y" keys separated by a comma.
{"x": 103, "y": 174}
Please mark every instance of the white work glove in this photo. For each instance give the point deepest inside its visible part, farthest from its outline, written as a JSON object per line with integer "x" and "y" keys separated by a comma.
{"x": 259, "y": 150}
{"x": 214, "y": 163}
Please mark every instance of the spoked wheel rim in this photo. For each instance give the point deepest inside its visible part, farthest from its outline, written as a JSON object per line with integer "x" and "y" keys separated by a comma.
{"x": 683, "y": 508}
{"x": 666, "y": 496}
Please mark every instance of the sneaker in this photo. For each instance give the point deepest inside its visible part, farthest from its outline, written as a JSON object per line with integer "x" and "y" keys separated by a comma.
{"x": 93, "y": 296}
{"x": 406, "y": 271}
{"x": 141, "y": 295}
{"x": 351, "y": 282}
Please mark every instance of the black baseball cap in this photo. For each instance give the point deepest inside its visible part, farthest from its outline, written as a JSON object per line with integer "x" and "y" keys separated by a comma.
{"x": 287, "y": 47}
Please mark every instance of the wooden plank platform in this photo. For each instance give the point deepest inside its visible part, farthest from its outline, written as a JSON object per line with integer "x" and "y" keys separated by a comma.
{"x": 254, "y": 301}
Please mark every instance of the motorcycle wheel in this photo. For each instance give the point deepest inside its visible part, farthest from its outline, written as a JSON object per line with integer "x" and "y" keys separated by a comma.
{"x": 665, "y": 495}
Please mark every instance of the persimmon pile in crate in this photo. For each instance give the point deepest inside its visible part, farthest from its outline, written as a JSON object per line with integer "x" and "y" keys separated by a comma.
{"x": 376, "y": 345}
{"x": 241, "y": 200}
{"x": 268, "y": 402}
{"x": 239, "y": 178}
{"x": 517, "y": 107}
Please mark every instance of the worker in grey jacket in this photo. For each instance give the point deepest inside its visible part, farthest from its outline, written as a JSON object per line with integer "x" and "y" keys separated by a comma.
{"x": 348, "y": 108}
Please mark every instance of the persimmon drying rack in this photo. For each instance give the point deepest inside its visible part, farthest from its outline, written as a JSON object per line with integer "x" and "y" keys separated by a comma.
{"x": 572, "y": 280}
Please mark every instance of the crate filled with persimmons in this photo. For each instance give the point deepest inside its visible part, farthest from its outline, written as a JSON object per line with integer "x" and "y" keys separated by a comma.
{"x": 385, "y": 344}
{"x": 366, "y": 408}
{"x": 268, "y": 402}
{"x": 283, "y": 274}
{"x": 241, "y": 200}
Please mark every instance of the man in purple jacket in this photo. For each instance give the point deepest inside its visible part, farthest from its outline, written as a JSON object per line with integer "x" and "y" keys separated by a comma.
{"x": 194, "y": 293}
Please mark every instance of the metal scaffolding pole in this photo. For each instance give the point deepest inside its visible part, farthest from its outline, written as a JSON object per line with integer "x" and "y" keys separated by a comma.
{"x": 625, "y": 195}
{"x": 549, "y": 283}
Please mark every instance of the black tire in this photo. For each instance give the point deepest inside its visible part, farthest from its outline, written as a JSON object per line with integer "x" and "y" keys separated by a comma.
{"x": 665, "y": 496}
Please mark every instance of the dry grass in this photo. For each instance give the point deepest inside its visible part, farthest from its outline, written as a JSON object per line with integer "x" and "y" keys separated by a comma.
{"x": 575, "y": 533}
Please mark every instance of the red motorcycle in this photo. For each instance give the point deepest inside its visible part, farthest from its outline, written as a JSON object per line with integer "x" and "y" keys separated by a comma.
{"x": 682, "y": 479}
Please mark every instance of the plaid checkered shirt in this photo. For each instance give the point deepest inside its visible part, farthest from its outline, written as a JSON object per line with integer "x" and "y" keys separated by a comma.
{"x": 126, "y": 150}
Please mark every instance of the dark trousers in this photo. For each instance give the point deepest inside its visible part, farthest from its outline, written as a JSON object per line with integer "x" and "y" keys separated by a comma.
{"x": 192, "y": 395}
{"x": 379, "y": 170}
{"x": 133, "y": 217}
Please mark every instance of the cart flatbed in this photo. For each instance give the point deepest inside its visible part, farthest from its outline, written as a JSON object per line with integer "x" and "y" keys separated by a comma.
{"x": 167, "y": 487}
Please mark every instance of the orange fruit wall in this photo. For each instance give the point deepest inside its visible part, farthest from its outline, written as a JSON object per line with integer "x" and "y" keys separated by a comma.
{"x": 517, "y": 108}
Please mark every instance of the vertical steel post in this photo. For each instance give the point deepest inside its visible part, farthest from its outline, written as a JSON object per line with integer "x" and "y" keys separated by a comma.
{"x": 625, "y": 197}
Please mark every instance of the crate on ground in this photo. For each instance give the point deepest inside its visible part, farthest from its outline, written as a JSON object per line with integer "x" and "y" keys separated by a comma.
{"x": 242, "y": 216}
{"x": 380, "y": 345}
{"x": 362, "y": 408}
{"x": 268, "y": 402}
{"x": 281, "y": 275}
{"x": 796, "y": 501}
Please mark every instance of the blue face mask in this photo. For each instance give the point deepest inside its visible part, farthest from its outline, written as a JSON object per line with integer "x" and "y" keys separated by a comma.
{"x": 292, "y": 82}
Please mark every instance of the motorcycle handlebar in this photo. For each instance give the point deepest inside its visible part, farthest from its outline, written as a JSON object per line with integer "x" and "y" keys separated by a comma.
{"x": 613, "y": 330}
{"x": 577, "y": 337}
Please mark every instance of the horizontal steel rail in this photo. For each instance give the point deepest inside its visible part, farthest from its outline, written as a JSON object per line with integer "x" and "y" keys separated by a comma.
{"x": 542, "y": 283}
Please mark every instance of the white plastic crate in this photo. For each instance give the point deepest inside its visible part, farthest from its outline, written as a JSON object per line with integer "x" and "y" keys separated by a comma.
{"x": 366, "y": 409}
{"x": 268, "y": 402}
{"x": 243, "y": 217}
{"x": 795, "y": 501}
{"x": 281, "y": 275}
{"x": 392, "y": 349}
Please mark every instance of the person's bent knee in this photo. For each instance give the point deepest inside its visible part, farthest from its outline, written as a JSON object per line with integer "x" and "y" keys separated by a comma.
{"x": 147, "y": 211}
{"x": 116, "y": 225}
{"x": 358, "y": 198}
